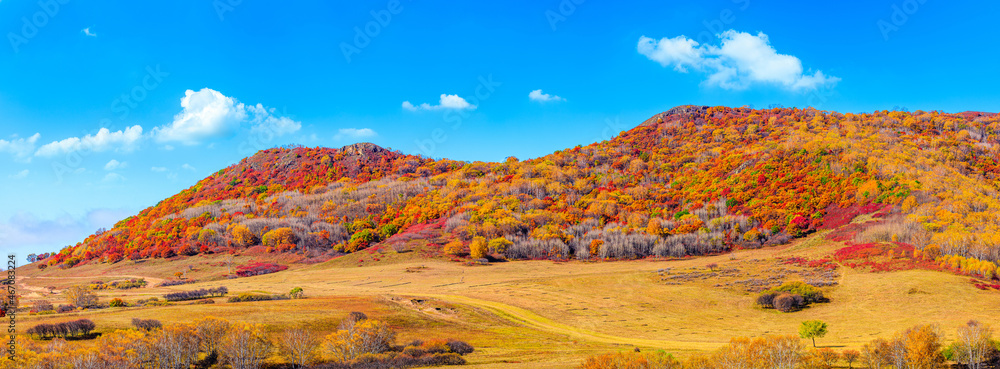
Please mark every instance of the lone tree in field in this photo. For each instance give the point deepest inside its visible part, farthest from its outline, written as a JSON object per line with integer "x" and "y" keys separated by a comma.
{"x": 296, "y": 293}
{"x": 812, "y": 329}
{"x": 80, "y": 296}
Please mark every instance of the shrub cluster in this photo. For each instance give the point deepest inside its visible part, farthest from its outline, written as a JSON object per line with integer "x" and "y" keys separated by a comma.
{"x": 74, "y": 328}
{"x": 790, "y": 296}
{"x": 196, "y": 294}
{"x": 247, "y": 297}
{"x": 175, "y": 282}
{"x": 258, "y": 268}
{"x": 119, "y": 285}
{"x": 415, "y": 354}
{"x": 146, "y": 324}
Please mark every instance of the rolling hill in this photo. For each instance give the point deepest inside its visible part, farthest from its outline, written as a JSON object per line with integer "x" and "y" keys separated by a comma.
{"x": 693, "y": 180}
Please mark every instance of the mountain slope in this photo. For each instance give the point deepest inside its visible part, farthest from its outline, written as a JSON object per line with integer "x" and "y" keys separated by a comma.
{"x": 689, "y": 181}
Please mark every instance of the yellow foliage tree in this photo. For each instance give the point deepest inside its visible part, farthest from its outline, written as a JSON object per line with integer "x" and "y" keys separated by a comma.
{"x": 478, "y": 248}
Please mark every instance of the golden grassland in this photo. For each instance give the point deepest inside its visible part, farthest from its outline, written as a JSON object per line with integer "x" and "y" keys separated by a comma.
{"x": 541, "y": 314}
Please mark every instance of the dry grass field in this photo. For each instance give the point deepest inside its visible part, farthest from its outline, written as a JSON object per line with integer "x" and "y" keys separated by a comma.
{"x": 544, "y": 314}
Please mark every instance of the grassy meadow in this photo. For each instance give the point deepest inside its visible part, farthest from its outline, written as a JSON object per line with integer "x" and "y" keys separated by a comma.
{"x": 541, "y": 314}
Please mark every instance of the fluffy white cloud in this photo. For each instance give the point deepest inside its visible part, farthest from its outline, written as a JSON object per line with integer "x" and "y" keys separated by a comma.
{"x": 125, "y": 140}
{"x": 88, "y": 32}
{"x": 115, "y": 164}
{"x": 354, "y": 133}
{"x": 113, "y": 178}
{"x": 454, "y": 102}
{"x": 21, "y": 148}
{"x": 741, "y": 60}
{"x": 158, "y": 169}
{"x": 205, "y": 114}
{"x": 187, "y": 166}
{"x": 19, "y": 175}
{"x": 208, "y": 113}
{"x": 537, "y": 95}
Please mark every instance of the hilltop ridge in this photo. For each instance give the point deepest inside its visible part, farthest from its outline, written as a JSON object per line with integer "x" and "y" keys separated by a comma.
{"x": 689, "y": 181}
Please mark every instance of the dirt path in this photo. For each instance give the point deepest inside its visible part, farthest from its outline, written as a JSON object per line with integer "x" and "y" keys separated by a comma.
{"x": 535, "y": 321}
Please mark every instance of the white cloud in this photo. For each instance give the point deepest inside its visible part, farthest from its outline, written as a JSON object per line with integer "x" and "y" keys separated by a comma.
{"x": 158, "y": 169}
{"x": 354, "y": 133}
{"x": 87, "y": 32}
{"x": 187, "y": 166}
{"x": 205, "y": 114}
{"x": 208, "y": 113}
{"x": 104, "y": 140}
{"x": 21, "y": 148}
{"x": 537, "y": 95}
{"x": 113, "y": 178}
{"x": 115, "y": 164}
{"x": 454, "y": 102}
{"x": 739, "y": 61}
{"x": 19, "y": 175}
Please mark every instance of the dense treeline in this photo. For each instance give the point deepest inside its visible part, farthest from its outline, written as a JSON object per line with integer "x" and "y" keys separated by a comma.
{"x": 81, "y": 327}
{"x": 358, "y": 342}
{"x": 690, "y": 181}
{"x": 919, "y": 347}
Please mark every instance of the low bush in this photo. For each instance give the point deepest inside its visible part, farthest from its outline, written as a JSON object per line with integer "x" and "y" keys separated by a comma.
{"x": 196, "y": 294}
{"x": 175, "y": 282}
{"x": 790, "y": 296}
{"x": 247, "y": 297}
{"x": 81, "y": 327}
{"x": 146, "y": 324}
{"x": 120, "y": 285}
{"x": 258, "y": 268}
{"x": 809, "y": 293}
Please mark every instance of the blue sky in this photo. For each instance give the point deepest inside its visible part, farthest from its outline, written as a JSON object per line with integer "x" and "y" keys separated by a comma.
{"x": 184, "y": 88}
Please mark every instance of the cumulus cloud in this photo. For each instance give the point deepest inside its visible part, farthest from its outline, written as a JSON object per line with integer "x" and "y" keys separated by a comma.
{"x": 739, "y": 61}
{"x": 187, "y": 166}
{"x": 446, "y": 101}
{"x": 115, "y": 164}
{"x": 354, "y": 133}
{"x": 205, "y": 114}
{"x": 21, "y": 147}
{"x": 208, "y": 113}
{"x": 19, "y": 175}
{"x": 124, "y": 140}
{"x": 537, "y": 95}
{"x": 88, "y": 32}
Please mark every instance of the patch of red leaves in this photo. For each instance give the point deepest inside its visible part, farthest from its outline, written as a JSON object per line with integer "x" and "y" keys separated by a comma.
{"x": 837, "y": 216}
{"x": 882, "y": 257}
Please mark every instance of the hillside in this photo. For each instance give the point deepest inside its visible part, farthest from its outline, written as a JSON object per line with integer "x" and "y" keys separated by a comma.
{"x": 690, "y": 181}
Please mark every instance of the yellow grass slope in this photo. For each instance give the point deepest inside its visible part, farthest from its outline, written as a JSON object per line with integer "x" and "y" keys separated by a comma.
{"x": 543, "y": 314}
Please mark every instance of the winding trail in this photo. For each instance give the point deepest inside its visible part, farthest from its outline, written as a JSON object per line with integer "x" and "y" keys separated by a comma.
{"x": 526, "y": 317}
